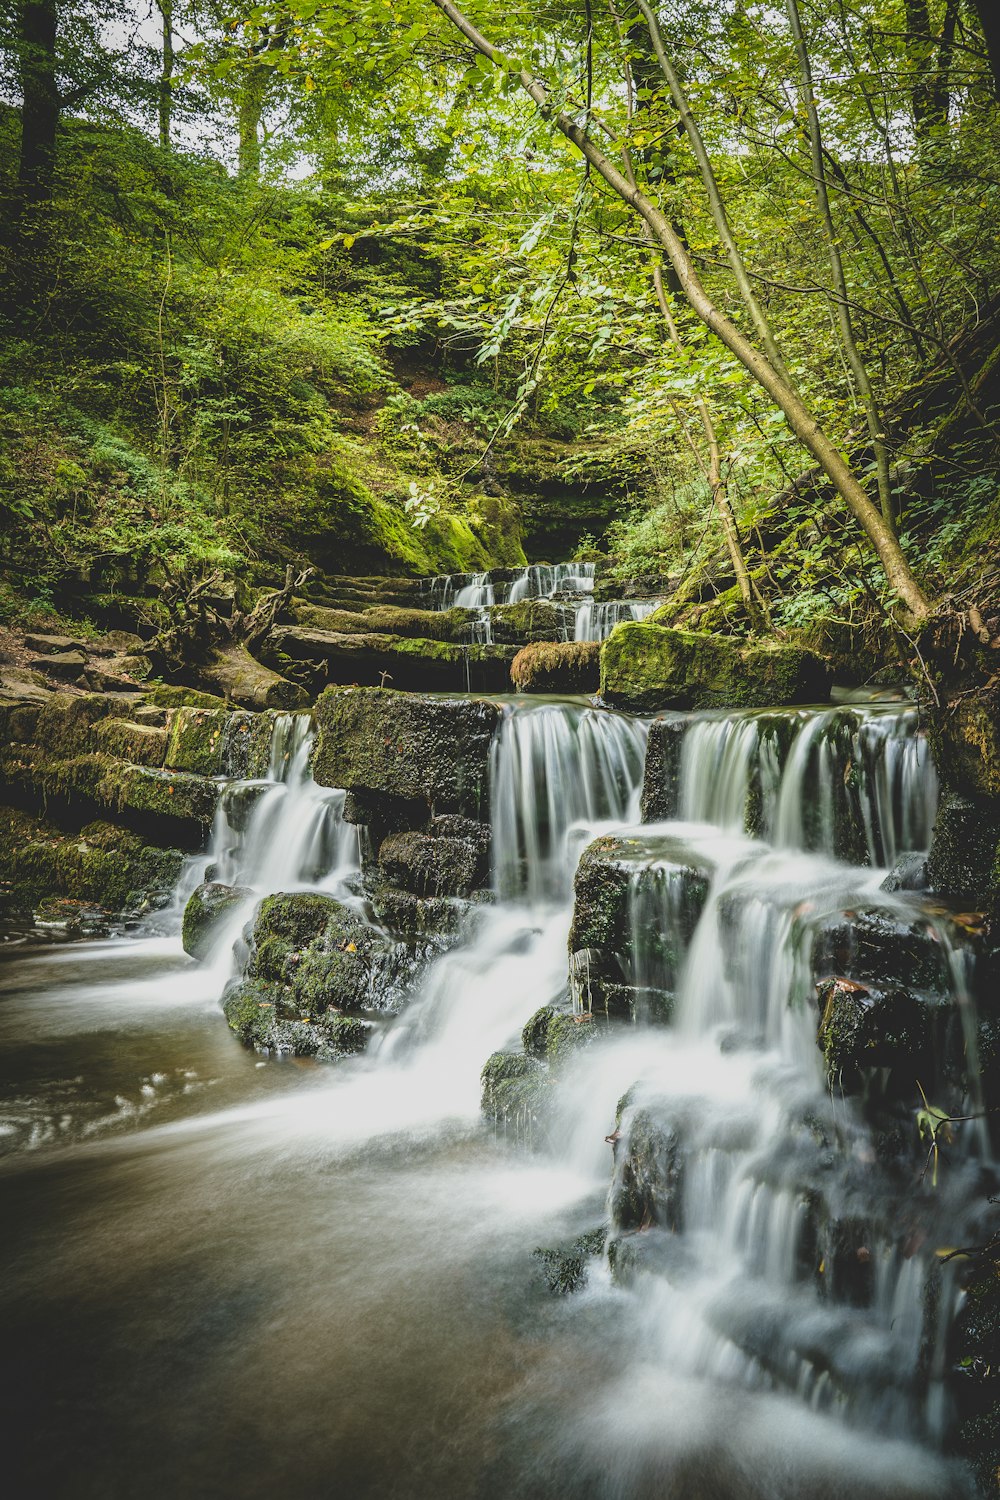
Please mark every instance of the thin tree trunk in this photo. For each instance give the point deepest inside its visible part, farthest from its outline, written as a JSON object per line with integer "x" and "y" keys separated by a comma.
{"x": 873, "y": 416}
{"x": 758, "y": 316}
{"x": 166, "y": 84}
{"x": 800, "y": 419}
{"x": 249, "y": 115}
{"x": 40, "y": 100}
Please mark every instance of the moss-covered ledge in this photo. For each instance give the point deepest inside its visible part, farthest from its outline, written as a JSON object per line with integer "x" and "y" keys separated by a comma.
{"x": 378, "y": 742}
{"x": 646, "y": 667}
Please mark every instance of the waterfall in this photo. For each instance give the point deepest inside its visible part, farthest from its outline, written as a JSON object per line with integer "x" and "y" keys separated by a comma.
{"x": 595, "y": 622}
{"x": 542, "y": 580}
{"x": 856, "y": 784}
{"x": 554, "y": 767}
{"x": 285, "y": 831}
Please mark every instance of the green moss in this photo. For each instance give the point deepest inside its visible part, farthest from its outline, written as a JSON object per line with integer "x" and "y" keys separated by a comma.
{"x": 535, "y": 1034}
{"x": 166, "y": 695}
{"x": 513, "y": 1089}
{"x": 197, "y": 740}
{"x": 249, "y": 1007}
{"x": 103, "y": 864}
{"x": 529, "y": 620}
{"x": 645, "y": 667}
{"x": 142, "y": 744}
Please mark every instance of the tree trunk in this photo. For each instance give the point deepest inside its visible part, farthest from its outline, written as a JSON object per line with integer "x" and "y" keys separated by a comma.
{"x": 166, "y": 84}
{"x": 800, "y": 419}
{"x": 40, "y": 100}
{"x": 249, "y": 114}
{"x": 987, "y": 14}
{"x": 233, "y": 672}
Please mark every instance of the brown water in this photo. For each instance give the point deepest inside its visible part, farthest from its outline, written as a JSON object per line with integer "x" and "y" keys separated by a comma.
{"x": 230, "y": 1277}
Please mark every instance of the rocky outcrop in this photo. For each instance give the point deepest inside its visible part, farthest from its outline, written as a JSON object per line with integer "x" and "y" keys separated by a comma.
{"x": 645, "y": 667}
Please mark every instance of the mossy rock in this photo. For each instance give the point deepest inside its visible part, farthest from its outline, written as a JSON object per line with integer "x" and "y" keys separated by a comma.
{"x": 206, "y": 911}
{"x": 964, "y": 860}
{"x": 414, "y": 664}
{"x": 429, "y": 865}
{"x": 645, "y": 667}
{"x": 176, "y": 795}
{"x": 529, "y": 620}
{"x": 661, "y": 785}
{"x": 387, "y": 619}
{"x": 647, "y": 1188}
{"x": 65, "y": 724}
{"x": 208, "y": 741}
{"x": 319, "y": 956}
{"x": 103, "y": 864}
{"x": 168, "y": 695}
{"x": 965, "y": 738}
{"x": 863, "y": 1029}
{"x": 557, "y": 667}
{"x": 565, "y": 1267}
{"x": 142, "y": 744}
{"x": 428, "y": 750}
{"x": 514, "y": 1089}
{"x": 535, "y": 1033}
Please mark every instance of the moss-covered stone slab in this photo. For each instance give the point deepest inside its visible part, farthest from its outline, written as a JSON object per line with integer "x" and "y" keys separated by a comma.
{"x": 661, "y": 783}
{"x": 530, "y": 620}
{"x": 557, "y": 667}
{"x": 142, "y": 744}
{"x": 645, "y": 667}
{"x": 208, "y": 741}
{"x": 435, "y": 865}
{"x": 411, "y": 663}
{"x": 386, "y": 619}
{"x": 429, "y": 750}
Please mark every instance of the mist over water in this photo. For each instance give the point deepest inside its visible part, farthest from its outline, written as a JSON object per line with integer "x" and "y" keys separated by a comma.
{"x": 236, "y": 1276}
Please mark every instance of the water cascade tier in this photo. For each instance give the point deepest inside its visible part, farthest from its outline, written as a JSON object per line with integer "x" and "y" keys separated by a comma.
{"x": 538, "y": 998}
{"x": 567, "y": 588}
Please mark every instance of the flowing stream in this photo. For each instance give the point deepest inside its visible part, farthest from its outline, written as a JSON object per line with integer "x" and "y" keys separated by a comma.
{"x": 229, "y": 1275}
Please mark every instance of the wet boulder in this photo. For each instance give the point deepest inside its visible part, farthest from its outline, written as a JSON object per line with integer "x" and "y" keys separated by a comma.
{"x": 321, "y": 957}
{"x": 61, "y": 916}
{"x": 863, "y": 1028}
{"x": 646, "y": 1188}
{"x": 557, "y": 667}
{"x": 514, "y": 1089}
{"x": 883, "y": 947}
{"x": 206, "y": 913}
{"x": 637, "y": 902}
{"x": 254, "y": 1011}
{"x": 420, "y": 921}
{"x": 564, "y": 1268}
{"x": 382, "y": 743}
{"x": 645, "y": 667}
{"x": 433, "y": 864}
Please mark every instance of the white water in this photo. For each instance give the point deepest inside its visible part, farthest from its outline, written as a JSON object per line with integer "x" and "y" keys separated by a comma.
{"x": 730, "y": 1368}
{"x": 586, "y": 620}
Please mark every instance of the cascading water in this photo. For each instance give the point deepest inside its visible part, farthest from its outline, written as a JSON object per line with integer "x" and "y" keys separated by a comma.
{"x": 770, "y": 1333}
{"x": 595, "y": 622}
{"x": 838, "y": 781}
